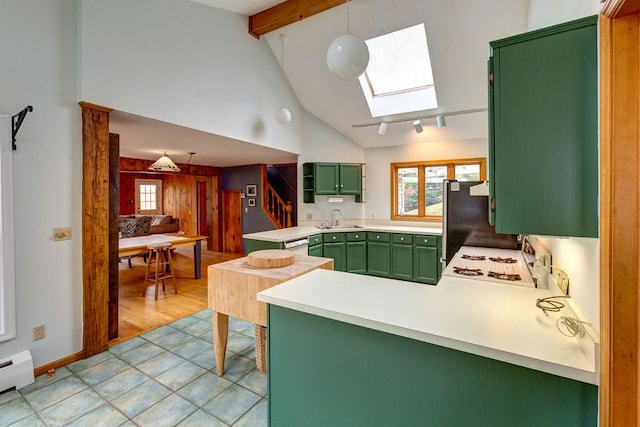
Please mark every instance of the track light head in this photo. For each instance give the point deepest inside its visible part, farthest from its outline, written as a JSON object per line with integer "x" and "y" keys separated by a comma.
{"x": 417, "y": 124}
{"x": 383, "y": 128}
{"x": 441, "y": 122}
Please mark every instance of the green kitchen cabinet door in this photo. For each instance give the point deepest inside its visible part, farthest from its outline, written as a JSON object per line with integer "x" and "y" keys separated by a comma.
{"x": 334, "y": 247}
{"x": 426, "y": 259}
{"x": 378, "y": 254}
{"x": 350, "y": 178}
{"x": 356, "y": 252}
{"x": 327, "y": 178}
{"x": 402, "y": 256}
{"x": 545, "y": 131}
{"x": 315, "y": 250}
{"x": 251, "y": 245}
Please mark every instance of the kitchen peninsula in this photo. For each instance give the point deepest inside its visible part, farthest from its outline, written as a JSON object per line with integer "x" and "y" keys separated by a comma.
{"x": 347, "y": 349}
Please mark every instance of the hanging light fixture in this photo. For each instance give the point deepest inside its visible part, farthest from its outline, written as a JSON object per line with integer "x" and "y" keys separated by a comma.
{"x": 440, "y": 121}
{"x": 283, "y": 115}
{"x": 348, "y": 54}
{"x": 417, "y": 124}
{"x": 164, "y": 164}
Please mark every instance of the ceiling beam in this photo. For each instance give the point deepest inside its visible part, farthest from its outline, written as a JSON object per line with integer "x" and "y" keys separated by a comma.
{"x": 287, "y": 13}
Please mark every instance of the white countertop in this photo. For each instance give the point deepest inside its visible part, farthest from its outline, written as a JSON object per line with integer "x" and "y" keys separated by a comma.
{"x": 295, "y": 233}
{"x": 493, "y": 320}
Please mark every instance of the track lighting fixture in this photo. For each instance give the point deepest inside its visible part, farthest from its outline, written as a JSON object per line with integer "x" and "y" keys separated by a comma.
{"x": 383, "y": 128}
{"x": 441, "y": 122}
{"x": 417, "y": 124}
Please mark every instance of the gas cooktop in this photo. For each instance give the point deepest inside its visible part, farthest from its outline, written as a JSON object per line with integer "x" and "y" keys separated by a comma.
{"x": 490, "y": 264}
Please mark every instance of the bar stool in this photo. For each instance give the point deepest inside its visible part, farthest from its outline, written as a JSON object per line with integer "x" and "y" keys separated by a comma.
{"x": 160, "y": 255}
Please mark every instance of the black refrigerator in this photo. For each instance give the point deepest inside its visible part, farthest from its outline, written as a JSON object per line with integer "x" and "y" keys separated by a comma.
{"x": 465, "y": 220}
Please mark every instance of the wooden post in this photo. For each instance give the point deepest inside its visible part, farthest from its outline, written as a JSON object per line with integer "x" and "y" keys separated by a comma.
{"x": 95, "y": 228}
{"x": 288, "y": 210}
{"x": 619, "y": 213}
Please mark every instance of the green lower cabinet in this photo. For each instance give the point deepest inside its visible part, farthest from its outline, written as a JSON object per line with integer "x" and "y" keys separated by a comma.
{"x": 258, "y": 245}
{"x": 319, "y": 377}
{"x": 315, "y": 250}
{"x": 315, "y": 245}
{"x": 334, "y": 247}
{"x": 402, "y": 256}
{"x": 378, "y": 254}
{"x": 426, "y": 259}
{"x": 357, "y": 252}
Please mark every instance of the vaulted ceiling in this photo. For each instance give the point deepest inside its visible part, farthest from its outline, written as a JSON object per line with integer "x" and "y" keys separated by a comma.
{"x": 458, "y": 34}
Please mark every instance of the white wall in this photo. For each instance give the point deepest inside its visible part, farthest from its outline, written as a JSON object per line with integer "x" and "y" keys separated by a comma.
{"x": 39, "y": 68}
{"x": 578, "y": 257}
{"x": 380, "y": 159}
{"x": 189, "y": 64}
{"x": 544, "y": 13}
{"x": 322, "y": 143}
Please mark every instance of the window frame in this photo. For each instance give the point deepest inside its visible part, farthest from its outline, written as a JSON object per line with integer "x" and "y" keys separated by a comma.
{"x": 421, "y": 165}
{"x": 7, "y": 260}
{"x": 158, "y": 184}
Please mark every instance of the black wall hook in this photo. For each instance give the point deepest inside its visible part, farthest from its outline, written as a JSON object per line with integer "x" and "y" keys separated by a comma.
{"x": 16, "y": 122}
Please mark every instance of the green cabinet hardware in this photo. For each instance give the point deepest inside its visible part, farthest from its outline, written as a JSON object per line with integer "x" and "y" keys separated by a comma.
{"x": 315, "y": 245}
{"x": 402, "y": 256}
{"x": 378, "y": 254}
{"x": 331, "y": 179}
{"x": 334, "y": 247}
{"x": 543, "y": 123}
{"x": 356, "y": 252}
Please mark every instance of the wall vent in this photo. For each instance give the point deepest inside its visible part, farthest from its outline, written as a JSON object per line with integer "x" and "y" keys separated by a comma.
{"x": 16, "y": 371}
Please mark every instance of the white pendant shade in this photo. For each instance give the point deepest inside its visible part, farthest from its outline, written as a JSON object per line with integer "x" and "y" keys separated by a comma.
{"x": 164, "y": 164}
{"x": 348, "y": 56}
{"x": 283, "y": 115}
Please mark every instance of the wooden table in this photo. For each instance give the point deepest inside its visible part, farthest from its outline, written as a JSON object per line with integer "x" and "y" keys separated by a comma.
{"x": 130, "y": 246}
{"x": 233, "y": 286}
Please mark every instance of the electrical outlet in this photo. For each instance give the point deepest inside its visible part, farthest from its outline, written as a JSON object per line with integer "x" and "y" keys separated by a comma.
{"x": 61, "y": 233}
{"x": 373, "y": 215}
{"x": 563, "y": 281}
{"x": 309, "y": 216}
{"x": 38, "y": 332}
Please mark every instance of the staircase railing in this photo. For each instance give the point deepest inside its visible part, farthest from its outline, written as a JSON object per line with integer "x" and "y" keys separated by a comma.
{"x": 277, "y": 209}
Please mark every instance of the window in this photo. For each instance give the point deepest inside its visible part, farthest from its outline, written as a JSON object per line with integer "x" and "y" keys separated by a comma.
{"x": 148, "y": 196}
{"x": 7, "y": 277}
{"x": 399, "y": 78}
{"x": 417, "y": 186}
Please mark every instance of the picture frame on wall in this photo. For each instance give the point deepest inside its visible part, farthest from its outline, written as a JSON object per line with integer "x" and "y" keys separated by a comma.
{"x": 252, "y": 190}
{"x": 251, "y": 202}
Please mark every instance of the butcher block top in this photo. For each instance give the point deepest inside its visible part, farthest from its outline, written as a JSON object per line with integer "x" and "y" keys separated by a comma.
{"x": 271, "y": 258}
{"x": 233, "y": 284}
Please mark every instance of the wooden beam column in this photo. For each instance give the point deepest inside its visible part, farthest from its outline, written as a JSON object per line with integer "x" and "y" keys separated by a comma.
{"x": 95, "y": 228}
{"x": 620, "y": 213}
{"x": 287, "y": 13}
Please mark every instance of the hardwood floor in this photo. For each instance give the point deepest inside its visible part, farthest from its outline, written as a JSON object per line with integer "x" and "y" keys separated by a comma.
{"x": 138, "y": 314}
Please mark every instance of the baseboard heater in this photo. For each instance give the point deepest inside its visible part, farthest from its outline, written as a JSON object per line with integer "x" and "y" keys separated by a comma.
{"x": 16, "y": 371}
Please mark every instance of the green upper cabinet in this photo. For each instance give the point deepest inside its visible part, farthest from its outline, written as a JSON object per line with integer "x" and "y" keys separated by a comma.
{"x": 331, "y": 179}
{"x": 543, "y": 125}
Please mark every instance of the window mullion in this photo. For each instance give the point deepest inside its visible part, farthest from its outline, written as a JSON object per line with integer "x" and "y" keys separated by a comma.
{"x": 422, "y": 189}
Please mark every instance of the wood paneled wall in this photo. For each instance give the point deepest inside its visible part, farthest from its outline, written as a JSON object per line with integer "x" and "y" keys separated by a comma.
{"x": 179, "y": 194}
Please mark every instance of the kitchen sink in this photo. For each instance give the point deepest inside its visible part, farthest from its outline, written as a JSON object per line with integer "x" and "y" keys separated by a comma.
{"x": 338, "y": 227}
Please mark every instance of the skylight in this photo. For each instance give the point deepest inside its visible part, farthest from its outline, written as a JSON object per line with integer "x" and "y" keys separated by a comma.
{"x": 399, "y": 78}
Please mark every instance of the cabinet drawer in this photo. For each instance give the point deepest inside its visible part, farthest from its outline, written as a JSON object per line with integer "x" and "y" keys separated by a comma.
{"x": 316, "y": 239}
{"x": 378, "y": 237}
{"x": 402, "y": 239}
{"x": 333, "y": 238}
{"x": 422, "y": 240}
{"x": 356, "y": 236}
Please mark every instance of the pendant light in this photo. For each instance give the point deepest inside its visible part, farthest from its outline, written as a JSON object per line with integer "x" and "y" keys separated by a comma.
{"x": 283, "y": 115}
{"x": 348, "y": 55}
{"x": 164, "y": 164}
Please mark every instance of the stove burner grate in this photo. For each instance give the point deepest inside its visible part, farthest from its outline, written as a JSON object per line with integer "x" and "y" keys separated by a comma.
{"x": 505, "y": 276}
{"x": 467, "y": 271}
{"x": 508, "y": 260}
{"x": 474, "y": 257}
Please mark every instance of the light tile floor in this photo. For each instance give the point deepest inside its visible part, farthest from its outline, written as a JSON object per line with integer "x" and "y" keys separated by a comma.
{"x": 165, "y": 377}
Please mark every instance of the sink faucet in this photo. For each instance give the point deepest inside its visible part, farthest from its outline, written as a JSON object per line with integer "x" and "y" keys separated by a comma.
{"x": 336, "y": 214}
